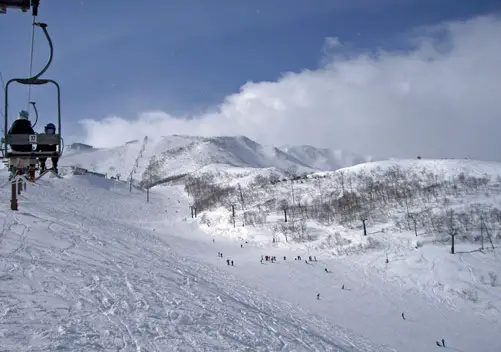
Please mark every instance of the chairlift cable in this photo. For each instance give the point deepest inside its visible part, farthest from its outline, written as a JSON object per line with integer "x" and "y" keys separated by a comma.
{"x": 31, "y": 59}
{"x": 2, "y": 81}
{"x": 3, "y": 86}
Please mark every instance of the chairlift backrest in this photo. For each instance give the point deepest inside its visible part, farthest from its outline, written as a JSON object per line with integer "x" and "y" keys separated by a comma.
{"x": 23, "y": 139}
{"x": 24, "y": 5}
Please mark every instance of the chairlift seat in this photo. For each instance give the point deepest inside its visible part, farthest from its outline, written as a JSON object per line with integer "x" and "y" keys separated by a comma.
{"x": 38, "y": 138}
{"x": 32, "y": 154}
{"x": 24, "y": 139}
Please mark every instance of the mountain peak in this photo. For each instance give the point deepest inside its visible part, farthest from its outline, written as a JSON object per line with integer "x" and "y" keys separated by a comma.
{"x": 177, "y": 154}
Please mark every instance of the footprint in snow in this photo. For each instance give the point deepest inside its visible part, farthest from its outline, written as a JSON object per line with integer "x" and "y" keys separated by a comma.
{"x": 173, "y": 315}
{"x": 6, "y": 277}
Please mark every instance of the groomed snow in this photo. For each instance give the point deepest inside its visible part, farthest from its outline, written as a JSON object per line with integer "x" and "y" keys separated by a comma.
{"x": 80, "y": 272}
{"x": 86, "y": 265}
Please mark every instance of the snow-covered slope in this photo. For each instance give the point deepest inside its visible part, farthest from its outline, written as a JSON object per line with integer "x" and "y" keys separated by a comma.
{"x": 112, "y": 162}
{"x": 80, "y": 272}
{"x": 87, "y": 265}
{"x": 444, "y": 168}
{"x": 410, "y": 207}
{"x": 177, "y": 154}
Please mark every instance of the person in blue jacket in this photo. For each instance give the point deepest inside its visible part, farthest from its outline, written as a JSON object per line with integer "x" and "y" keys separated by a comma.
{"x": 50, "y": 128}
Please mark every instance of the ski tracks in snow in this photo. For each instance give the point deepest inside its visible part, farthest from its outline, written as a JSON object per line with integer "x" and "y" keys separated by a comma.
{"x": 73, "y": 281}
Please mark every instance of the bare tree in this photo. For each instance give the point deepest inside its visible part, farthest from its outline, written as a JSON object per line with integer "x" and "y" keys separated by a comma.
{"x": 451, "y": 227}
{"x": 292, "y": 174}
{"x": 364, "y": 219}
{"x": 412, "y": 216}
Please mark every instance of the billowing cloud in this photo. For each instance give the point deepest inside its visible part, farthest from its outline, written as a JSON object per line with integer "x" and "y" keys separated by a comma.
{"x": 440, "y": 99}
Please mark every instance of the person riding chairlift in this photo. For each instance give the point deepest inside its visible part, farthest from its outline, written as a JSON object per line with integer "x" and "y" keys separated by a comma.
{"x": 22, "y": 126}
{"x": 50, "y": 128}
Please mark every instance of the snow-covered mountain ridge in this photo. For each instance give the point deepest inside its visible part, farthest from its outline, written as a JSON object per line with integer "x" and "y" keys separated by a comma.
{"x": 178, "y": 154}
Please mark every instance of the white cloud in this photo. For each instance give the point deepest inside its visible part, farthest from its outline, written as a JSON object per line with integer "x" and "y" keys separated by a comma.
{"x": 332, "y": 42}
{"x": 441, "y": 99}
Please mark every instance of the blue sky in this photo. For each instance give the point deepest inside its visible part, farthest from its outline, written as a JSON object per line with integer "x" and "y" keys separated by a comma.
{"x": 182, "y": 57}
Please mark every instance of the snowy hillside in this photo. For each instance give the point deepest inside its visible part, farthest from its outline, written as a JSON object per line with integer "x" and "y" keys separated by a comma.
{"x": 411, "y": 209}
{"x": 153, "y": 159}
{"x": 80, "y": 272}
{"x": 88, "y": 265}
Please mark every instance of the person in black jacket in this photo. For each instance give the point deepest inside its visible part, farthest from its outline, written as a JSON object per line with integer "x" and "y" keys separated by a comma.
{"x": 50, "y": 128}
{"x": 22, "y": 126}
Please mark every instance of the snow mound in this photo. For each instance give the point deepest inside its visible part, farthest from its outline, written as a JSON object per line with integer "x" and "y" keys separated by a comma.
{"x": 79, "y": 147}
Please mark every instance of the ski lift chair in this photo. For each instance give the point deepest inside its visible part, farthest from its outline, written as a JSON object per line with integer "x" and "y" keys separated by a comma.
{"x": 24, "y": 159}
{"x": 23, "y": 5}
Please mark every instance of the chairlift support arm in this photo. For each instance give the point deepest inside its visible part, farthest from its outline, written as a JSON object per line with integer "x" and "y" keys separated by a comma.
{"x": 36, "y": 113}
{"x": 51, "y": 49}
